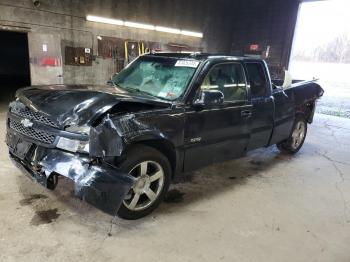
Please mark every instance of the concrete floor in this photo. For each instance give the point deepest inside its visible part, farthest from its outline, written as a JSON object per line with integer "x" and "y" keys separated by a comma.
{"x": 265, "y": 207}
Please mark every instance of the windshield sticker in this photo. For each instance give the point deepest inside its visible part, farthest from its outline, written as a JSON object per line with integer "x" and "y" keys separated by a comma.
{"x": 162, "y": 94}
{"x": 187, "y": 63}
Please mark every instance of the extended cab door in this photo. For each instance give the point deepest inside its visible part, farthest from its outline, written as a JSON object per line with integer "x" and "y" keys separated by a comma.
{"x": 218, "y": 132}
{"x": 263, "y": 104}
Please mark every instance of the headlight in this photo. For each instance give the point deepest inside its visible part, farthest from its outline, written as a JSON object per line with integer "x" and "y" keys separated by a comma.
{"x": 79, "y": 129}
{"x": 73, "y": 145}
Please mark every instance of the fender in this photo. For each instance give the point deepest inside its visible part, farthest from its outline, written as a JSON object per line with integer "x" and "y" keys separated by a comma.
{"x": 112, "y": 136}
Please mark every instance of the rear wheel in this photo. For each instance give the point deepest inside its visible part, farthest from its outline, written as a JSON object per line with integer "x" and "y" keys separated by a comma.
{"x": 296, "y": 140}
{"x": 152, "y": 172}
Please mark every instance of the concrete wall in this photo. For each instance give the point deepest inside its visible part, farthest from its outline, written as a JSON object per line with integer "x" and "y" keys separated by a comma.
{"x": 227, "y": 25}
{"x": 63, "y": 21}
{"x": 265, "y": 23}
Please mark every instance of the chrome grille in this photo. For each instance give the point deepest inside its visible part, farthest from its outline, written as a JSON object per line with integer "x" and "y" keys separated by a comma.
{"x": 27, "y": 113}
{"x": 35, "y": 134}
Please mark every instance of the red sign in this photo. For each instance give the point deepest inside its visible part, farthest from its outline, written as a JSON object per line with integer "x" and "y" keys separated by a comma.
{"x": 254, "y": 47}
{"x": 50, "y": 61}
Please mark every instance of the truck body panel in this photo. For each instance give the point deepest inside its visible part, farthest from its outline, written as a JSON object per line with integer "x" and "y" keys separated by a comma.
{"x": 46, "y": 121}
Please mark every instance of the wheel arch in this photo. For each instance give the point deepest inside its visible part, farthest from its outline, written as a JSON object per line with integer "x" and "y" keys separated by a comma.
{"x": 307, "y": 110}
{"x": 164, "y": 146}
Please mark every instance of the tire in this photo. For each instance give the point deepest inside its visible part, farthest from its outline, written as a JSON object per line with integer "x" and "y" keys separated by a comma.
{"x": 296, "y": 140}
{"x": 145, "y": 164}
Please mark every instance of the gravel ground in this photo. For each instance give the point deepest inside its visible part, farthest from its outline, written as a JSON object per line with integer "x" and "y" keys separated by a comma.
{"x": 336, "y": 99}
{"x": 334, "y": 106}
{"x": 334, "y": 80}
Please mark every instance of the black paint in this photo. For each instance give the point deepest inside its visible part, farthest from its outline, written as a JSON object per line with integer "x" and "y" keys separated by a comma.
{"x": 190, "y": 135}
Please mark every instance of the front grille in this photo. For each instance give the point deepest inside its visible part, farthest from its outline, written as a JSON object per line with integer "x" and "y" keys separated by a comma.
{"x": 35, "y": 134}
{"x": 27, "y": 113}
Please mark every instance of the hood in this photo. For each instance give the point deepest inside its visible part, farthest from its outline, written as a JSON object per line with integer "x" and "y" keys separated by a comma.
{"x": 78, "y": 104}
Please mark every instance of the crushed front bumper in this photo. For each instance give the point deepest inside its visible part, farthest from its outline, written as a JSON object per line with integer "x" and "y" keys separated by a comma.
{"x": 96, "y": 182}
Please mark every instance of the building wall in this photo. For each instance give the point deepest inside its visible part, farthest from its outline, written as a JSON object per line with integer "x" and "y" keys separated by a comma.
{"x": 58, "y": 23}
{"x": 266, "y": 23}
{"x": 229, "y": 26}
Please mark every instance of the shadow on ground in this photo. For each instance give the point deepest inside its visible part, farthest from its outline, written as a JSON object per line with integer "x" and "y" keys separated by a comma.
{"x": 50, "y": 206}
{"x": 218, "y": 178}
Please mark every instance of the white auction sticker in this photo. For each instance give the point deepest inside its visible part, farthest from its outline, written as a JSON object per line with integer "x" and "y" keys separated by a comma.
{"x": 187, "y": 63}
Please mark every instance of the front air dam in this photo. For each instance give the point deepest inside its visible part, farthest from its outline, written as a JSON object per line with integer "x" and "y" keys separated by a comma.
{"x": 101, "y": 185}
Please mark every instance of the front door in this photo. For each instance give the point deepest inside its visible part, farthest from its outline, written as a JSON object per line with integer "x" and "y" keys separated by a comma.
{"x": 219, "y": 132}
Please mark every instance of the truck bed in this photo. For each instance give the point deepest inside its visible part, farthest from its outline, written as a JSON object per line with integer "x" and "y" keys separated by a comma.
{"x": 302, "y": 91}
{"x": 300, "y": 97}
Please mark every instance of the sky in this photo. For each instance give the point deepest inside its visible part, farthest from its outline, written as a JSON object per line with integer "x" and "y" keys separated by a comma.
{"x": 320, "y": 21}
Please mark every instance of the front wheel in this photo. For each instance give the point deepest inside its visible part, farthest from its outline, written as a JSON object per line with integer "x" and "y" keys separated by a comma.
{"x": 296, "y": 140}
{"x": 152, "y": 172}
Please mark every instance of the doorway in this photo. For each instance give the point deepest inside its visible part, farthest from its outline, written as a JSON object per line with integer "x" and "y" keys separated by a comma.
{"x": 321, "y": 49}
{"x": 14, "y": 64}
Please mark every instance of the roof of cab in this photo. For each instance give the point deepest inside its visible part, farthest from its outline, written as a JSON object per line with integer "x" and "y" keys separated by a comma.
{"x": 200, "y": 56}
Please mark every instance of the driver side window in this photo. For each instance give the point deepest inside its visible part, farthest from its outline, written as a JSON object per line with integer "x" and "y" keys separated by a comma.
{"x": 229, "y": 79}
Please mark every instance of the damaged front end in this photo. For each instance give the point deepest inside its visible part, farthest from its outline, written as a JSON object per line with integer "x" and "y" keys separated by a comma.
{"x": 41, "y": 151}
{"x": 97, "y": 183}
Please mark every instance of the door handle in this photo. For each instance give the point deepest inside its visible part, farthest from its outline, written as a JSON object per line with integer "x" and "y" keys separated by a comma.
{"x": 246, "y": 113}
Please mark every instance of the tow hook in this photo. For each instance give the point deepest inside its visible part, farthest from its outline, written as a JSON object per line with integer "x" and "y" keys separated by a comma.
{"x": 52, "y": 181}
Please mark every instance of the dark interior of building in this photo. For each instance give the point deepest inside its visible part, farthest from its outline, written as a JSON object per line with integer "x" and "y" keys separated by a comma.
{"x": 14, "y": 63}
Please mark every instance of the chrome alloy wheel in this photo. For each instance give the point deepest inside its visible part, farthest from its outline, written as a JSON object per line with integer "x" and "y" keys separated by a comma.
{"x": 298, "y": 134}
{"x": 149, "y": 184}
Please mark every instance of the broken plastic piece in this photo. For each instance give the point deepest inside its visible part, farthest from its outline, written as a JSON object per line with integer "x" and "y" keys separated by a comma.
{"x": 101, "y": 185}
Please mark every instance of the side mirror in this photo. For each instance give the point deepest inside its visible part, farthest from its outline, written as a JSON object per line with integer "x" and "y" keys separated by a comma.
{"x": 210, "y": 97}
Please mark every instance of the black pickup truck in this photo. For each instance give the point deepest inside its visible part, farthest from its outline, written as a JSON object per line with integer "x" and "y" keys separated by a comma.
{"x": 164, "y": 114}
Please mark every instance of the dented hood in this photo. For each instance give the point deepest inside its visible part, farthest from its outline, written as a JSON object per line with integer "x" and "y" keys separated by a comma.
{"x": 77, "y": 104}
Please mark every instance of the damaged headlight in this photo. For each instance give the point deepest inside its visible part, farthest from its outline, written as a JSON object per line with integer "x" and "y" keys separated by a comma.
{"x": 73, "y": 145}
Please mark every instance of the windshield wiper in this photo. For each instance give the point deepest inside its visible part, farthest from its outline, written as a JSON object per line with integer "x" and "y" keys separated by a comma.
{"x": 114, "y": 84}
{"x": 133, "y": 90}
{"x": 136, "y": 90}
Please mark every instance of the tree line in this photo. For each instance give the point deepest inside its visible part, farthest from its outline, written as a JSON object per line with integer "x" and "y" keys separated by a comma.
{"x": 335, "y": 51}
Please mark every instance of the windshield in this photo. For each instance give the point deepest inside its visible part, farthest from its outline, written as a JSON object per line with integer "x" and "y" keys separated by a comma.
{"x": 162, "y": 77}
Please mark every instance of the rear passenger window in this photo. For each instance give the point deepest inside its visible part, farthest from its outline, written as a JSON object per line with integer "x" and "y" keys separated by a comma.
{"x": 258, "y": 82}
{"x": 228, "y": 78}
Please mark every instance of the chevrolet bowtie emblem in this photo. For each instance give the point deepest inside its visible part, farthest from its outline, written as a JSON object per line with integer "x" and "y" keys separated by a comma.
{"x": 26, "y": 122}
